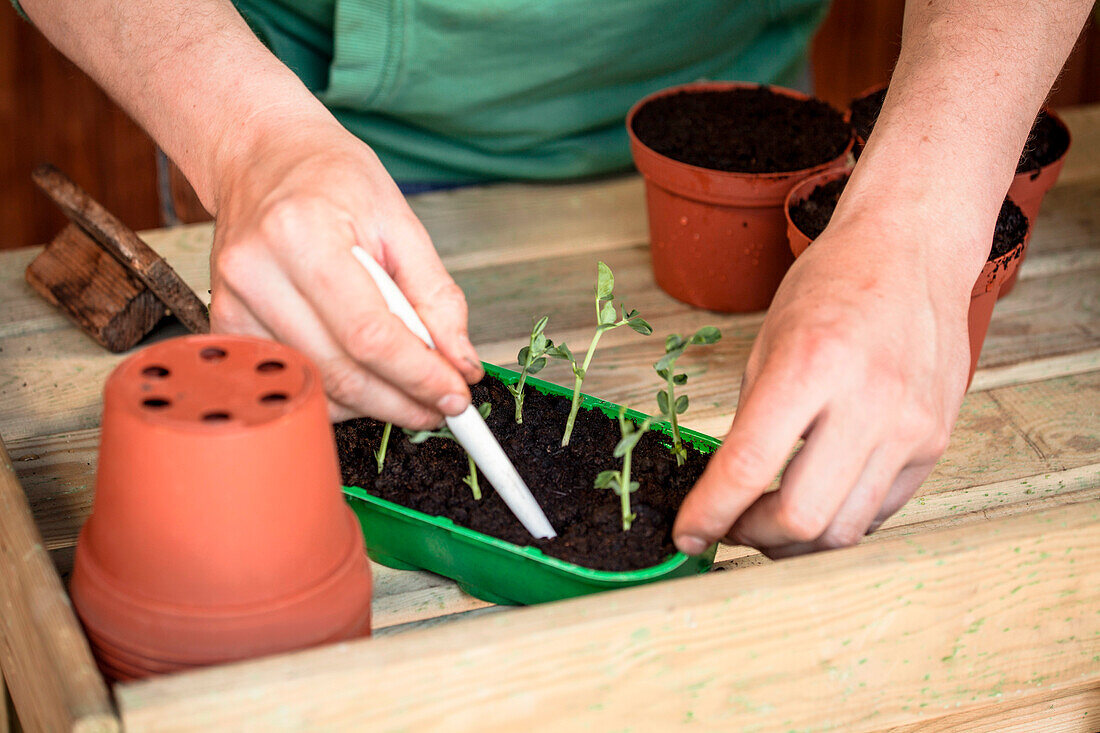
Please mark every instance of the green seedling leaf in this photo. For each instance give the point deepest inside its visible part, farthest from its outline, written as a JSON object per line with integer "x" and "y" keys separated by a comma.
{"x": 607, "y": 313}
{"x": 640, "y": 326}
{"x": 484, "y": 410}
{"x": 681, "y": 404}
{"x": 678, "y": 379}
{"x": 605, "y": 281}
{"x": 626, "y": 444}
{"x": 662, "y": 373}
{"x": 605, "y": 479}
{"x": 706, "y": 335}
{"x": 524, "y": 355}
{"x": 540, "y": 326}
{"x": 662, "y": 402}
{"x": 673, "y": 341}
{"x": 537, "y": 365}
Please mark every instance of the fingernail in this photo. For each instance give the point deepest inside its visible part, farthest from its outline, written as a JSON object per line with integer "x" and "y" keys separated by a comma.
{"x": 690, "y": 545}
{"x": 452, "y": 404}
{"x": 475, "y": 365}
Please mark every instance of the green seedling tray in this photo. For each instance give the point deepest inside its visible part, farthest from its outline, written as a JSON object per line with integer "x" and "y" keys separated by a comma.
{"x": 498, "y": 571}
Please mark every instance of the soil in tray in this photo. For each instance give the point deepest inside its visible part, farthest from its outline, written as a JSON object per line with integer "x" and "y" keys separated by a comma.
{"x": 753, "y": 130}
{"x": 812, "y": 215}
{"x": 428, "y": 477}
{"x": 1046, "y": 142}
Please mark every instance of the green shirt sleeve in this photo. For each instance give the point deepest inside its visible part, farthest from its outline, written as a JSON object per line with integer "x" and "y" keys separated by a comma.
{"x": 19, "y": 9}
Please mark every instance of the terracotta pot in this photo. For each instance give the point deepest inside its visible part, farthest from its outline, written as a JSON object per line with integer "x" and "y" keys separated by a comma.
{"x": 716, "y": 237}
{"x": 795, "y": 237}
{"x": 986, "y": 288}
{"x": 219, "y": 530}
{"x": 1029, "y": 188}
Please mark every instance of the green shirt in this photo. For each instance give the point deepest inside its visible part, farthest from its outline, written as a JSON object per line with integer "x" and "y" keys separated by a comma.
{"x": 469, "y": 90}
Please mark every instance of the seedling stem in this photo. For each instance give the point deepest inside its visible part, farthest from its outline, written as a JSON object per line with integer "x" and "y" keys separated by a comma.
{"x": 619, "y": 481}
{"x": 606, "y": 320}
{"x": 380, "y": 454}
{"x": 669, "y": 404}
{"x": 419, "y": 436}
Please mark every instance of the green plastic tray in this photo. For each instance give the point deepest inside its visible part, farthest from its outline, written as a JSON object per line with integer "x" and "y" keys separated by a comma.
{"x": 498, "y": 571}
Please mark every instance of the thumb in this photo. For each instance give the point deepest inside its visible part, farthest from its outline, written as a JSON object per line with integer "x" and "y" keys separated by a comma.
{"x": 772, "y": 415}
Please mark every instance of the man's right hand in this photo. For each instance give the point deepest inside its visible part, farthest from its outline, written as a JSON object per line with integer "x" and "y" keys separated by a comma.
{"x": 290, "y": 208}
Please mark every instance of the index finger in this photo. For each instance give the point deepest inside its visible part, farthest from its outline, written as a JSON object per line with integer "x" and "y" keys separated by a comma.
{"x": 776, "y": 411}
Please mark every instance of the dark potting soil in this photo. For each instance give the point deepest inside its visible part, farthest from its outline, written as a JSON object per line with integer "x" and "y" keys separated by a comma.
{"x": 750, "y": 130}
{"x": 812, "y": 215}
{"x": 864, "y": 111}
{"x": 428, "y": 477}
{"x": 1046, "y": 142}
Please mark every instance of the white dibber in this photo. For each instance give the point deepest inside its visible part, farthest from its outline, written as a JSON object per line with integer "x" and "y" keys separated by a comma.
{"x": 468, "y": 428}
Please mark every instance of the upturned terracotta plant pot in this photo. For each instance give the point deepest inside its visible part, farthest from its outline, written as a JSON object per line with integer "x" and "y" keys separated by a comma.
{"x": 986, "y": 288}
{"x": 1030, "y": 187}
{"x": 219, "y": 530}
{"x": 717, "y": 237}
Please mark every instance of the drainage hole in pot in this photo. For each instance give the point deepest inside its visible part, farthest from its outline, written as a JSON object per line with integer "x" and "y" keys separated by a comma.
{"x": 155, "y": 372}
{"x": 216, "y": 416}
{"x": 274, "y": 398}
{"x": 156, "y": 403}
{"x": 270, "y": 366}
{"x": 212, "y": 353}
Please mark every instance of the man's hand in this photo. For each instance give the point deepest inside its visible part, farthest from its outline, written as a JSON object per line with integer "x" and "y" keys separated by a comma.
{"x": 291, "y": 206}
{"x": 864, "y": 353}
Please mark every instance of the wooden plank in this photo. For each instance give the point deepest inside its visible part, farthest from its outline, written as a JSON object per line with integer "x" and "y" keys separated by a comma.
{"x": 1083, "y": 160}
{"x": 102, "y": 298}
{"x": 1075, "y": 712}
{"x": 990, "y": 470}
{"x": 46, "y": 660}
{"x": 894, "y": 633}
{"x": 1052, "y": 316}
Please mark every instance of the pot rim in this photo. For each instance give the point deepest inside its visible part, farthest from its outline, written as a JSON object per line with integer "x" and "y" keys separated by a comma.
{"x": 710, "y": 86}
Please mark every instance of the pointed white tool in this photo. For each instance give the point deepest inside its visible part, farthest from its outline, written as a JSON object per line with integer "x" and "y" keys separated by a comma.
{"x": 468, "y": 428}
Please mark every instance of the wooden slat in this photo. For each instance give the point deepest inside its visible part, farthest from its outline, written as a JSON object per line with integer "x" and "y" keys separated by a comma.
{"x": 1056, "y": 316}
{"x": 45, "y": 657}
{"x": 876, "y": 636}
{"x": 1072, "y": 712}
{"x": 991, "y": 469}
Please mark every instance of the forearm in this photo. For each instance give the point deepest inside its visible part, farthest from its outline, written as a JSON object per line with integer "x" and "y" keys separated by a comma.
{"x": 969, "y": 81}
{"x": 192, "y": 74}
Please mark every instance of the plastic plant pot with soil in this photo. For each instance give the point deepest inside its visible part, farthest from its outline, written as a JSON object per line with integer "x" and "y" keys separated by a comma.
{"x": 810, "y": 206}
{"x": 1037, "y": 170}
{"x": 718, "y": 160}
{"x": 418, "y": 513}
{"x": 219, "y": 531}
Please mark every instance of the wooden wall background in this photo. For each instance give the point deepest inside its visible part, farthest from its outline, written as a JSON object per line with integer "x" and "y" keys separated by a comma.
{"x": 50, "y": 111}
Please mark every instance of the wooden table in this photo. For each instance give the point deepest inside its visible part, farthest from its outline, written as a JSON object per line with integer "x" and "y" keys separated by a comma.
{"x": 977, "y": 605}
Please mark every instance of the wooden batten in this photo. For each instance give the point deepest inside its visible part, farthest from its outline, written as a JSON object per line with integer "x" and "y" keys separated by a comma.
{"x": 47, "y": 663}
{"x": 107, "y": 302}
{"x": 867, "y": 638}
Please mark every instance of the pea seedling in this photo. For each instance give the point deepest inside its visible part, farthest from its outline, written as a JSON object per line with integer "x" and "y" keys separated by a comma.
{"x": 606, "y": 320}
{"x": 380, "y": 454}
{"x": 532, "y": 358}
{"x": 419, "y": 436}
{"x": 619, "y": 481}
{"x": 667, "y": 402}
